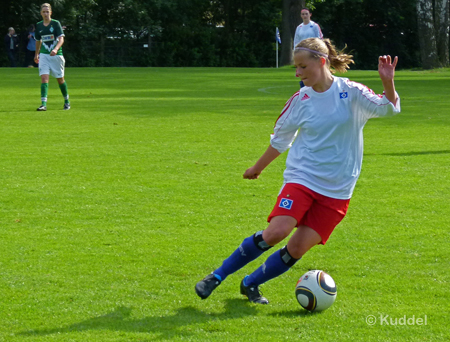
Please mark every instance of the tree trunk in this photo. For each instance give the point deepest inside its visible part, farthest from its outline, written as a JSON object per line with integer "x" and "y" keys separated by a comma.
{"x": 442, "y": 30}
{"x": 290, "y": 19}
{"x": 294, "y": 14}
{"x": 286, "y": 39}
{"x": 427, "y": 35}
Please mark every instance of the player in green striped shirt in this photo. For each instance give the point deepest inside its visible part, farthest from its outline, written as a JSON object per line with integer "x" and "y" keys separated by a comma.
{"x": 49, "y": 56}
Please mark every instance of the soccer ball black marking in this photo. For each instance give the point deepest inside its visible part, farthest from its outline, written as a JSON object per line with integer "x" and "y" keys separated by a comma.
{"x": 315, "y": 290}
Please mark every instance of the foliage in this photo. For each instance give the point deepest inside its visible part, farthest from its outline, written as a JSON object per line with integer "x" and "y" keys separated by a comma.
{"x": 215, "y": 33}
{"x": 372, "y": 28}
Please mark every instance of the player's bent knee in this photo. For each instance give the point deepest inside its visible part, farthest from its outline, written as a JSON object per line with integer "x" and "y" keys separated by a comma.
{"x": 302, "y": 241}
{"x": 274, "y": 237}
{"x": 298, "y": 251}
{"x": 279, "y": 228}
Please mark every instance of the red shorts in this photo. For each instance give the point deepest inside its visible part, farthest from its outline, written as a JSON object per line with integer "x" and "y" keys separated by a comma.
{"x": 311, "y": 209}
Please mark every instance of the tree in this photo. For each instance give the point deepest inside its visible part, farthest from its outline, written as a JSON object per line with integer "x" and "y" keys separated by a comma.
{"x": 442, "y": 30}
{"x": 433, "y": 26}
{"x": 290, "y": 19}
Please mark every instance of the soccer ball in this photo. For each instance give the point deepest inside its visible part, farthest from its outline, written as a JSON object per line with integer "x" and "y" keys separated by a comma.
{"x": 315, "y": 291}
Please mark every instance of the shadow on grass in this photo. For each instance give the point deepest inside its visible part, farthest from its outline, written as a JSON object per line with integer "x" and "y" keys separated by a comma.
{"x": 164, "y": 327}
{"x": 294, "y": 313}
{"x": 412, "y": 153}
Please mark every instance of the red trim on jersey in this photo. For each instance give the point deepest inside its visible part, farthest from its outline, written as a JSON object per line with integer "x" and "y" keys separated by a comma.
{"x": 286, "y": 106}
{"x": 320, "y": 31}
{"x": 370, "y": 90}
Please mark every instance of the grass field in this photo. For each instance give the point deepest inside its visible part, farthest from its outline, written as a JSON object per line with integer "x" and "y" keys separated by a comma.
{"x": 112, "y": 211}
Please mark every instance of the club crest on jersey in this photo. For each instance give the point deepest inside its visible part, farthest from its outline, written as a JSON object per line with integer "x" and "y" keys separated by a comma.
{"x": 51, "y": 29}
{"x": 286, "y": 203}
{"x": 343, "y": 95}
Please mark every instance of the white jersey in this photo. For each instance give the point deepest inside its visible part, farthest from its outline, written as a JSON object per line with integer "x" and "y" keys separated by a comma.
{"x": 326, "y": 156}
{"x": 311, "y": 30}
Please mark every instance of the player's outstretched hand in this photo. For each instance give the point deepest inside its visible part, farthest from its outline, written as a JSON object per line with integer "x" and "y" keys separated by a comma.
{"x": 386, "y": 67}
{"x": 251, "y": 173}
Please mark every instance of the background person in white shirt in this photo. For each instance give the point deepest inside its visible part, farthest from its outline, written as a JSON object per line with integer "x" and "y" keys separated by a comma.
{"x": 307, "y": 29}
{"x": 322, "y": 124}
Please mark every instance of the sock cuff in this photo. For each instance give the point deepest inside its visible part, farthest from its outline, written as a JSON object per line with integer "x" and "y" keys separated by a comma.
{"x": 287, "y": 258}
{"x": 259, "y": 241}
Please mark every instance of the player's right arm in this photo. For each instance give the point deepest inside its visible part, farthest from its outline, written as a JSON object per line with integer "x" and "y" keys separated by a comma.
{"x": 285, "y": 131}
{"x": 36, "y": 53}
{"x": 270, "y": 155}
{"x": 297, "y": 38}
{"x": 37, "y": 36}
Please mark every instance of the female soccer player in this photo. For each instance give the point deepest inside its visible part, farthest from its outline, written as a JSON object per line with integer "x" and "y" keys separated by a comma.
{"x": 307, "y": 29}
{"x": 322, "y": 166}
{"x": 49, "y": 56}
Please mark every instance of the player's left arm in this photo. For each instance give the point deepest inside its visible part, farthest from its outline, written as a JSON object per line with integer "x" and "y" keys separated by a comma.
{"x": 318, "y": 30}
{"x": 367, "y": 104}
{"x": 58, "y": 46}
{"x": 60, "y": 34}
{"x": 386, "y": 70}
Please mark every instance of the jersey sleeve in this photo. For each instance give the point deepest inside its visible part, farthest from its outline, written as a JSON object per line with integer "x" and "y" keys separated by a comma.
{"x": 286, "y": 128}
{"x": 37, "y": 35}
{"x": 370, "y": 105}
{"x": 318, "y": 31}
{"x": 297, "y": 38}
{"x": 58, "y": 30}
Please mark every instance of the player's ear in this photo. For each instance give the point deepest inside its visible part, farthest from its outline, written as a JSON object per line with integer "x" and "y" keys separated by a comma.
{"x": 323, "y": 61}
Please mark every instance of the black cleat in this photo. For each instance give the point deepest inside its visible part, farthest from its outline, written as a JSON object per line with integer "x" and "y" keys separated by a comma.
{"x": 253, "y": 293}
{"x": 66, "y": 106}
{"x": 42, "y": 109}
{"x": 206, "y": 286}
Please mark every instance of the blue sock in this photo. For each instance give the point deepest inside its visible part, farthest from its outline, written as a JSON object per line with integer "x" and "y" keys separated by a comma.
{"x": 251, "y": 248}
{"x": 275, "y": 265}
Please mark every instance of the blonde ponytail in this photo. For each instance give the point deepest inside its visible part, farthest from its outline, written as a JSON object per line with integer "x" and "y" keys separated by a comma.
{"x": 336, "y": 60}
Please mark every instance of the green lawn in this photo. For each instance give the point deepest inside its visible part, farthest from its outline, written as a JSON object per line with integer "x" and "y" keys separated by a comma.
{"x": 112, "y": 211}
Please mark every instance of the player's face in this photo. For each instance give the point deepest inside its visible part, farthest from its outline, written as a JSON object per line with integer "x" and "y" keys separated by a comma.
{"x": 306, "y": 16}
{"x": 46, "y": 13}
{"x": 309, "y": 69}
